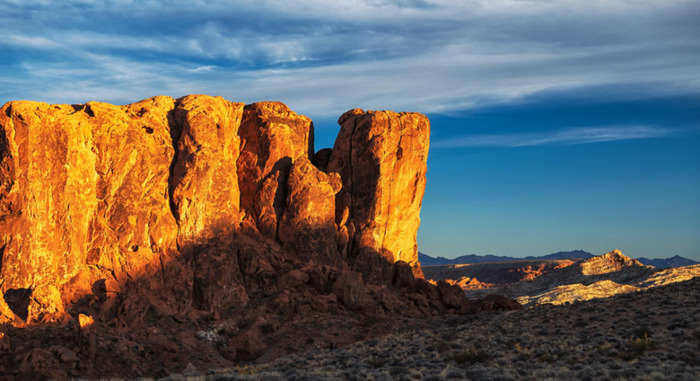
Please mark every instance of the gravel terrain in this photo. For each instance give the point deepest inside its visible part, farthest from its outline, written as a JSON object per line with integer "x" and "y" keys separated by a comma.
{"x": 650, "y": 335}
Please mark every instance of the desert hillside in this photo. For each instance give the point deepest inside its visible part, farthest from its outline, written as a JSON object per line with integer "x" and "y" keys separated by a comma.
{"x": 495, "y": 274}
{"x": 534, "y": 282}
{"x": 598, "y": 277}
{"x": 649, "y": 335}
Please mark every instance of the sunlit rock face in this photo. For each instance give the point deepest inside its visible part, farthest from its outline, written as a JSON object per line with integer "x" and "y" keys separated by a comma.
{"x": 84, "y": 191}
{"x": 204, "y": 184}
{"x": 308, "y": 224}
{"x": 611, "y": 262}
{"x": 208, "y": 199}
{"x": 272, "y": 138}
{"x": 381, "y": 158}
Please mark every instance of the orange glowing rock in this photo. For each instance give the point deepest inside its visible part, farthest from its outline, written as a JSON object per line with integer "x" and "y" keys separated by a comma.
{"x": 5, "y": 345}
{"x": 204, "y": 183}
{"x": 6, "y": 314}
{"x": 381, "y": 157}
{"x": 86, "y": 321}
{"x": 272, "y": 138}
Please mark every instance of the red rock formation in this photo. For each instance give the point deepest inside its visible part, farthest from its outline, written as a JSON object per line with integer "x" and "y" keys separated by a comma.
{"x": 85, "y": 188}
{"x": 205, "y": 192}
{"x": 153, "y": 219}
{"x": 381, "y": 157}
{"x": 272, "y": 138}
{"x": 608, "y": 263}
{"x": 308, "y": 225}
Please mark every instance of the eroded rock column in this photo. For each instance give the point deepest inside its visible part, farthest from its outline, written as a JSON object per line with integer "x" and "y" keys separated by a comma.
{"x": 381, "y": 158}
{"x": 272, "y": 138}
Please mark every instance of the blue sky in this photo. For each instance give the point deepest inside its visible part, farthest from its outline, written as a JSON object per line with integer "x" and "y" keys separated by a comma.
{"x": 556, "y": 125}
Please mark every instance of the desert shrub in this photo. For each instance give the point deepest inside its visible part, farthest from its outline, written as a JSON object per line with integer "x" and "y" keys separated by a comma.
{"x": 396, "y": 370}
{"x": 470, "y": 356}
{"x": 642, "y": 332}
{"x": 546, "y": 357}
{"x": 606, "y": 349}
{"x": 637, "y": 346}
{"x": 523, "y": 351}
{"x": 442, "y": 346}
{"x": 448, "y": 334}
{"x": 376, "y": 362}
{"x": 246, "y": 369}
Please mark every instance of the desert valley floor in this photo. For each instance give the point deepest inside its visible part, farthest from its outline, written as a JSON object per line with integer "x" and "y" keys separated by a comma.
{"x": 650, "y": 335}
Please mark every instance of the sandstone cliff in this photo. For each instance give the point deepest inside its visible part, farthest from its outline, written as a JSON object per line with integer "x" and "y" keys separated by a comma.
{"x": 198, "y": 205}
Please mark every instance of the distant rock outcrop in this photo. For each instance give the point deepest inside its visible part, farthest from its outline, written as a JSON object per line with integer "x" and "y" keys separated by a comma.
{"x": 488, "y": 275}
{"x": 598, "y": 277}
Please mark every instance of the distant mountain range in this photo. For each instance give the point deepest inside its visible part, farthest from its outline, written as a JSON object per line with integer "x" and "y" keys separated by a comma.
{"x": 674, "y": 262}
{"x": 426, "y": 260}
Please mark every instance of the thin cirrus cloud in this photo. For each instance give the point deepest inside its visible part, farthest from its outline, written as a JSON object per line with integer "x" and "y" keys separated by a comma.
{"x": 566, "y": 136}
{"x": 431, "y": 56}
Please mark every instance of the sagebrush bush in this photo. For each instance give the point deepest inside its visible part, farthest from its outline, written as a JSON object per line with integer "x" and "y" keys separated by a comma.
{"x": 470, "y": 356}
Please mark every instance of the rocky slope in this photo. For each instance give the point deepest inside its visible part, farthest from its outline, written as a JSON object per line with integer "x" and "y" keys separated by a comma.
{"x": 599, "y": 277}
{"x": 497, "y": 274}
{"x": 202, "y": 230}
{"x": 650, "y": 335}
{"x": 558, "y": 281}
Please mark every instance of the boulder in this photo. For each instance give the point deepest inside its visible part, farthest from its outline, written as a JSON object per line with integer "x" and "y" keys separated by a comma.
{"x": 494, "y": 302}
{"x": 452, "y": 296}
{"x": 5, "y": 344}
{"x": 349, "y": 288}
{"x": 45, "y": 305}
{"x": 248, "y": 345}
{"x": 403, "y": 275}
{"x": 292, "y": 280}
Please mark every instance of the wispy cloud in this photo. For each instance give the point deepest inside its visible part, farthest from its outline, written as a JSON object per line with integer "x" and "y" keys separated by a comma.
{"x": 203, "y": 68}
{"x": 566, "y": 136}
{"x": 428, "y": 56}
